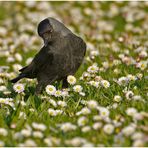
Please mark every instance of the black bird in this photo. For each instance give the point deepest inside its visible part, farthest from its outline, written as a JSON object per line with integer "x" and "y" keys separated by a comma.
{"x": 61, "y": 55}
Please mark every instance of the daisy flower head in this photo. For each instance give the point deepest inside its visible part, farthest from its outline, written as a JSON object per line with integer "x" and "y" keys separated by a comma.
{"x": 104, "y": 112}
{"x": 26, "y": 132}
{"x": 85, "y": 111}
{"x": 138, "y": 116}
{"x": 1, "y": 143}
{"x": 139, "y": 75}
{"x": 62, "y": 103}
{"x": 138, "y": 143}
{"x": 94, "y": 53}
{"x": 97, "y": 125}
{"x": 77, "y": 88}
{"x": 18, "y": 57}
{"x": 50, "y": 89}
{"x": 105, "y": 83}
{"x": 93, "y": 69}
{"x": 108, "y": 129}
{"x": 94, "y": 83}
{"x": 58, "y": 93}
{"x": 18, "y": 87}
{"x": 66, "y": 127}
{"x": 28, "y": 61}
{"x": 142, "y": 65}
{"x": 65, "y": 93}
{"x": 86, "y": 75}
{"x": 3, "y": 88}
{"x": 52, "y": 112}
{"x": 53, "y": 102}
{"x": 117, "y": 98}
{"x": 105, "y": 65}
{"x": 86, "y": 129}
{"x": 128, "y": 130}
{"x": 131, "y": 77}
{"x": 3, "y": 132}
{"x": 82, "y": 94}
{"x": 137, "y": 135}
{"x": 71, "y": 80}
{"x": 17, "y": 67}
{"x": 123, "y": 81}
{"x": 92, "y": 104}
{"x": 131, "y": 111}
{"x": 82, "y": 121}
{"x": 37, "y": 134}
{"x": 143, "y": 54}
{"x": 39, "y": 126}
{"x": 129, "y": 95}
{"x": 76, "y": 141}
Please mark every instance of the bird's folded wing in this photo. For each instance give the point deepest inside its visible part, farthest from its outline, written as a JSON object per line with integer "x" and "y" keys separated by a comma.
{"x": 39, "y": 62}
{"x": 76, "y": 44}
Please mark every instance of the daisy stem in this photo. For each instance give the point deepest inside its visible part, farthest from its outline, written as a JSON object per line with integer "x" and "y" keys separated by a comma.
{"x": 78, "y": 103}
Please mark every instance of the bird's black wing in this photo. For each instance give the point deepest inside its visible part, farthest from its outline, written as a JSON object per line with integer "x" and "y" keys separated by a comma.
{"x": 77, "y": 50}
{"x": 77, "y": 45}
{"x": 39, "y": 62}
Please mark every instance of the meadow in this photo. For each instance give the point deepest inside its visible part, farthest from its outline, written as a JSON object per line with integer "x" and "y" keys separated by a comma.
{"x": 106, "y": 101}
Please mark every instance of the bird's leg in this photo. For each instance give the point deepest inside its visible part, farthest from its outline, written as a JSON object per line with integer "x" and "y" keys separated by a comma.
{"x": 41, "y": 85}
{"x": 65, "y": 83}
{"x": 39, "y": 88}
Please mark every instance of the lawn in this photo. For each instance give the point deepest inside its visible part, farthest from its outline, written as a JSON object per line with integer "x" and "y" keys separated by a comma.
{"x": 106, "y": 101}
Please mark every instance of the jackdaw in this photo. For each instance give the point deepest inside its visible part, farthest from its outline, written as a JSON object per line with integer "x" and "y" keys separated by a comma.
{"x": 61, "y": 55}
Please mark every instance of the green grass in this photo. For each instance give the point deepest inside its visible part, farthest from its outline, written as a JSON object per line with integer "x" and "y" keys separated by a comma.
{"x": 10, "y": 119}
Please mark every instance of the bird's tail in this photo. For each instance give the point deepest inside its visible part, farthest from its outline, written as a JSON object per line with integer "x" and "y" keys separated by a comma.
{"x": 17, "y": 78}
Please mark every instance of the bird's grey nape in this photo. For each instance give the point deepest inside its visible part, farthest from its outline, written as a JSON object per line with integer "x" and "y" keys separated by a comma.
{"x": 58, "y": 26}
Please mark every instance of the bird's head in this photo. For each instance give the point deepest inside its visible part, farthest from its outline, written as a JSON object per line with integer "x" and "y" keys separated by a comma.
{"x": 45, "y": 31}
{"x": 49, "y": 29}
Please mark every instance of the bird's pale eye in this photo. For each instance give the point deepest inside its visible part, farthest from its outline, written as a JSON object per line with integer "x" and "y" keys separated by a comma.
{"x": 47, "y": 32}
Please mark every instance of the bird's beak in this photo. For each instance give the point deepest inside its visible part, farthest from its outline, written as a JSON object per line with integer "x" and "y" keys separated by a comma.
{"x": 47, "y": 39}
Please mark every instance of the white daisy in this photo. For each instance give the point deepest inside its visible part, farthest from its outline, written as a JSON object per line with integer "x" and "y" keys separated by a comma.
{"x": 131, "y": 111}
{"x": 128, "y": 130}
{"x": 92, "y": 104}
{"x": 105, "y": 83}
{"x": 117, "y": 98}
{"x": 58, "y": 93}
{"x": 104, "y": 112}
{"x": 93, "y": 69}
{"x": 108, "y": 129}
{"x": 129, "y": 95}
{"x": 3, "y": 132}
{"x": 123, "y": 81}
{"x": 82, "y": 121}
{"x": 142, "y": 65}
{"x": 39, "y": 126}
{"x": 18, "y": 57}
{"x": 62, "y": 103}
{"x": 85, "y": 111}
{"x": 71, "y": 80}
{"x": 138, "y": 143}
{"x": 86, "y": 129}
{"x": 50, "y": 89}
{"x": 77, "y": 88}
{"x": 26, "y": 132}
{"x": 37, "y": 134}
{"x": 68, "y": 127}
{"x": 97, "y": 125}
{"x": 18, "y": 87}
{"x": 52, "y": 112}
